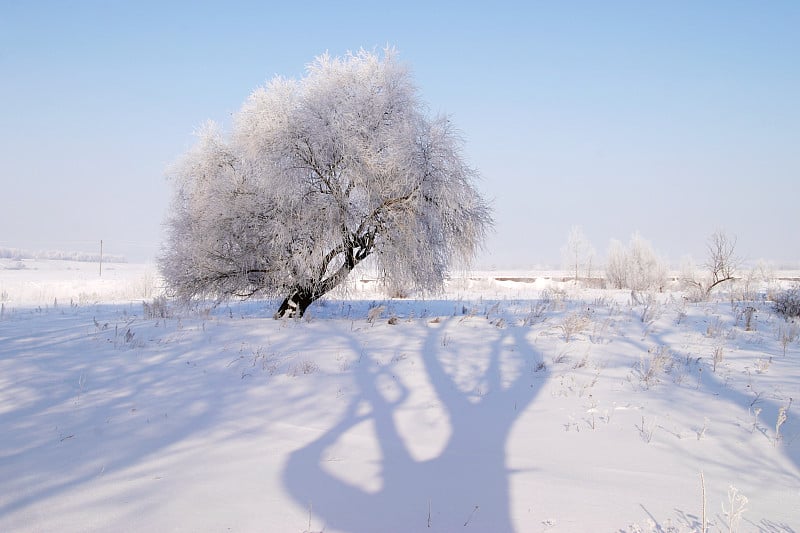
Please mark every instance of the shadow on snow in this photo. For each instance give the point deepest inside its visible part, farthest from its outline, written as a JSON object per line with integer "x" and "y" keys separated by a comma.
{"x": 467, "y": 483}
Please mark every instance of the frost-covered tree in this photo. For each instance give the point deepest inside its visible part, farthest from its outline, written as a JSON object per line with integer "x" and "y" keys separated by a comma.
{"x": 578, "y": 252}
{"x": 638, "y": 267}
{"x": 617, "y": 265}
{"x": 317, "y": 175}
{"x": 646, "y": 269}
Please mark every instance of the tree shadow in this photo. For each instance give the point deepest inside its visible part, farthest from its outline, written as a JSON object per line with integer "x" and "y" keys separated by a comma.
{"x": 467, "y": 483}
{"x": 93, "y": 401}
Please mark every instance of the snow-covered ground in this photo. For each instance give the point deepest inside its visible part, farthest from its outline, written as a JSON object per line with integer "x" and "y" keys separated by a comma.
{"x": 501, "y": 405}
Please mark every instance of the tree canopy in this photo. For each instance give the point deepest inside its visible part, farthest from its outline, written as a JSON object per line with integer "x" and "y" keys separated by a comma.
{"x": 317, "y": 175}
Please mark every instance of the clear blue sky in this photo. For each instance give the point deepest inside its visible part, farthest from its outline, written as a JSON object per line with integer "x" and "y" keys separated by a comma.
{"x": 671, "y": 118}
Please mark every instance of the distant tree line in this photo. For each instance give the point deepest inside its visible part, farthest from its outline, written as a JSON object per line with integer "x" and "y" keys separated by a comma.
{"x": 638, "y": 267}
{"x": 19, "y": 254}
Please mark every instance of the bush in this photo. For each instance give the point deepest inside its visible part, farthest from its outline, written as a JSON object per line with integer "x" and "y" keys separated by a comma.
{"x": 157, "y": 309}
{"x": 787, "y": 302}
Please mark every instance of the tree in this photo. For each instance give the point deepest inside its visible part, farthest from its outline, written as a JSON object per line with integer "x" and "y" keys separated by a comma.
{"x": 578, "y": 252}
{"x": 317, "y": 175}
{"x": 645, "y": 269}
{"x": 617, "y": 265}
{"x": 721, "y": 263}
{"x": 638, "y": 267}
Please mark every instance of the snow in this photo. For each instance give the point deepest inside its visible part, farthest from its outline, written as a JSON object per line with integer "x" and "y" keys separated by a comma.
{"x": 468, "y": 411}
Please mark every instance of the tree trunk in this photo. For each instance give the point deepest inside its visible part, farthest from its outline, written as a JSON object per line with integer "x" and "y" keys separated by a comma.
{"x": 296, "y": 304}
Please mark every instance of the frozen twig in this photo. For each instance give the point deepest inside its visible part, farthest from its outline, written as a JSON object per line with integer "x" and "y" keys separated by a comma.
{"x": 475, "y": 510}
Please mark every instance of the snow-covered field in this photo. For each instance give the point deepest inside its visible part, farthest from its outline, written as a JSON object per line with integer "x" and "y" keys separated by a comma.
{"x": 528, "y": 405}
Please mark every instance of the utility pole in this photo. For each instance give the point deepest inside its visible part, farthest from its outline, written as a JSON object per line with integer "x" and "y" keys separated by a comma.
{"x": 101, "y": 258}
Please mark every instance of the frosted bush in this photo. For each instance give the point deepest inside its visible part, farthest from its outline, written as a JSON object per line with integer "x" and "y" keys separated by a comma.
{"x": 156, "y": 309}
{"x": 787, "y": 302}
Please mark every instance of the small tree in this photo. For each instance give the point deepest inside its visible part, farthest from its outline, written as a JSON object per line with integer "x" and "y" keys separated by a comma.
{"x": 578, "y": 253}
{"x": 617, "y": 265}
{"x": 645, "y": 269}
{"x": 721, "y": 262}
{"x": 318, "y": 175}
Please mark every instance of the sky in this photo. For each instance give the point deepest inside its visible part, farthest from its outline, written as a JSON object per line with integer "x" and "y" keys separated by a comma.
{"x": 671, "y": 119}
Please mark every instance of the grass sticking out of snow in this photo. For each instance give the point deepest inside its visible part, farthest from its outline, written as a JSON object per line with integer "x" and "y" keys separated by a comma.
{"x": 498, "y": 406}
